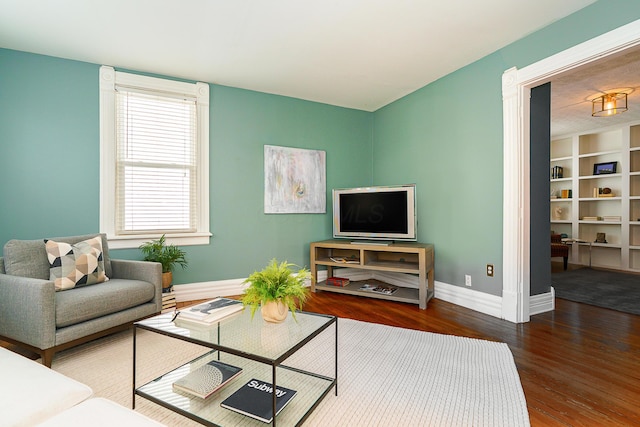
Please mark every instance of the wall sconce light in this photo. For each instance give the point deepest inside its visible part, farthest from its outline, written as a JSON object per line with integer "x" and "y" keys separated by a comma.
{"x": 609, "y": 104}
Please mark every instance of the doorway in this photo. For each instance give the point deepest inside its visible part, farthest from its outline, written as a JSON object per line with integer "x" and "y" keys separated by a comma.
{"x": 516, "y": 90}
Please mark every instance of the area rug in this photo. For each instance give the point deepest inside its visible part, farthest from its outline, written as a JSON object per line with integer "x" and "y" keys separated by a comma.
{"x": 386, "y": 376}
{"x": 602, "y": 288}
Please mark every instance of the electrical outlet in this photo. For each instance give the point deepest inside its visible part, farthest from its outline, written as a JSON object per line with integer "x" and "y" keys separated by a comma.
{"x": 467, "y": 280}
{"x": 490, "y": 270}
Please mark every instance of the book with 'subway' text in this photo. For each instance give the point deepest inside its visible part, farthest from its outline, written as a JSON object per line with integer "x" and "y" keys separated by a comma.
{"x": 255, "y": 399}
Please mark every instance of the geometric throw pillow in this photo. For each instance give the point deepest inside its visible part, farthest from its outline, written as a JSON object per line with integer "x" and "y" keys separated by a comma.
{"x": 75, "y": 265}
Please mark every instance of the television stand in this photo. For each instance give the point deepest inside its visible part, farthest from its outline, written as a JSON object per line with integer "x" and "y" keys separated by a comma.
{"x": 407, "y": 266}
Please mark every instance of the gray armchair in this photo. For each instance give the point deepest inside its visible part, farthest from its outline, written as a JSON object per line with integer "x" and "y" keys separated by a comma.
{"x": 36, "y": 316}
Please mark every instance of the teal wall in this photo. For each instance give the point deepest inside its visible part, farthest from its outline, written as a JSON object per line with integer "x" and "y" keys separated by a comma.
{"x": 49, "y": 164}
{"x": 447, "y": 138}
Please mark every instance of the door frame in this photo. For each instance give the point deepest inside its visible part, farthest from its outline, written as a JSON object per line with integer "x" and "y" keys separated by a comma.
{"x": 516, "y": 89}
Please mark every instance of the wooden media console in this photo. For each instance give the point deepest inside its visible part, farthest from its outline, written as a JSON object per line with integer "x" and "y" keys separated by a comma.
{"x": 407, "y": 266}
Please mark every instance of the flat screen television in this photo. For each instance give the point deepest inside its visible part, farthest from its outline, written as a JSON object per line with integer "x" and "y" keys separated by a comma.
{"x": 375, "y": 213}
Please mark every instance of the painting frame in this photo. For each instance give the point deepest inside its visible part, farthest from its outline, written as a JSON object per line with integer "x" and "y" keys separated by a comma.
{"x": 294, "y": 180}
{"x": 605, "y": 168}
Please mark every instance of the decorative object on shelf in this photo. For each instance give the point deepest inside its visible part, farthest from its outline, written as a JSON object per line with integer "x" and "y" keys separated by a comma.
{"x": 601, "y": 238}
{"x": 602, "y": 192}
{"x": 276, "y": 283}
{"x": 167, "y": 255}
{"x": 556, "y": 172}
{"x": 605, "y": 168}
{"x": 557, "y": 212}
{"x": 338, "y": 281}
{"x": 609, "y": 104}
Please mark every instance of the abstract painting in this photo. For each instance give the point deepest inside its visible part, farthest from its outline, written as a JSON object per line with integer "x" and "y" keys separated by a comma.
{"x": 294, "y": 180}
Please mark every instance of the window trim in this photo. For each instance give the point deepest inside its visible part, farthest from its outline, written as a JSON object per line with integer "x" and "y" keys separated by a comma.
{"x": 109, "y": 78}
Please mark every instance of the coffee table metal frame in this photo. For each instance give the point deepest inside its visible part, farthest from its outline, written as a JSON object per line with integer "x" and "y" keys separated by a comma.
{"x": 306, "y": 328}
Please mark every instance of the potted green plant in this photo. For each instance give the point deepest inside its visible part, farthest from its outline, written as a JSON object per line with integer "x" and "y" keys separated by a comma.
{"x": 167, "y": 255}
{"x": 276, "y": 289}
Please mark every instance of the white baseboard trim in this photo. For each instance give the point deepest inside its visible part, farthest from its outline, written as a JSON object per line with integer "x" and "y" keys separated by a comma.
{"x": 208, "y": 290}
{"x": 474, "y": 300}
{"x": 542, "y": 303}
{"x": 468, "y": 298}
{"x": 218, "y": 288}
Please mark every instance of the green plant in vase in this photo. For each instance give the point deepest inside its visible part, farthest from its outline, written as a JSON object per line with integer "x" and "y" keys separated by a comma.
{"x": 276, "y": 289}
{"x": 167, "y": 255}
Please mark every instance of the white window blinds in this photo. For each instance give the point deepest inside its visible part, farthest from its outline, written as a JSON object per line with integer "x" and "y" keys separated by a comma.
{"x": 156, "y": 163}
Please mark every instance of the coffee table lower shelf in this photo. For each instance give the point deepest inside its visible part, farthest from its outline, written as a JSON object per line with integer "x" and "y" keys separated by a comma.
{"x": 311, "y": 389}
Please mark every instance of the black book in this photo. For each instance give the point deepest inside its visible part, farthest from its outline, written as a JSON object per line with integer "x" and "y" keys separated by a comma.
{"x": 207, "y": 379}
{"x": 255, "y": 399}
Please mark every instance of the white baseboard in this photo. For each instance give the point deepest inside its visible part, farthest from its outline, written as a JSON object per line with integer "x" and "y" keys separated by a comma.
{"x": 542, "y": 303}
{"x": 208, "y": 290}
{"x": 474, "y": 300}
{"x": 218, "y": 288}
{"x": 469, "y": 298}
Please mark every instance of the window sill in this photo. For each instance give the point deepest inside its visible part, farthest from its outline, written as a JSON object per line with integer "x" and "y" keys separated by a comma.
{"x": 134, "y": 241}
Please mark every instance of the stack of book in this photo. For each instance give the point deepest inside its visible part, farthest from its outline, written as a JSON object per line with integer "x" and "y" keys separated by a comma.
{"x": 591, "y": 218}
{"x": 210, "y": 312}
{"x": 337, "y": 281}
{"x": 612, "y": 218}
{"x": 168, "y": 301}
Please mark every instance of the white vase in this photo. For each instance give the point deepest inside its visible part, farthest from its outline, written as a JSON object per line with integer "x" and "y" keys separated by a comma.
{"x": 274, "y": 311}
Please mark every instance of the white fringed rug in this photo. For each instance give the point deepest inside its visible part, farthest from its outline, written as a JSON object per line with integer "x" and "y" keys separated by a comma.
{"x": 386, "y": 377}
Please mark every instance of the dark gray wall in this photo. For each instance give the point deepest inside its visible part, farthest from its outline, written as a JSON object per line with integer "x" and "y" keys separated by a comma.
{"x": 540, "y": 135}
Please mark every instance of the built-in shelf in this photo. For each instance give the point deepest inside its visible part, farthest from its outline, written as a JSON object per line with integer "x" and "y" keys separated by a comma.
{"x": 577, "y": 154}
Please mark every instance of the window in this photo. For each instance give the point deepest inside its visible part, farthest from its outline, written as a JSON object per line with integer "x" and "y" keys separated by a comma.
{"x": 154, "y": 159}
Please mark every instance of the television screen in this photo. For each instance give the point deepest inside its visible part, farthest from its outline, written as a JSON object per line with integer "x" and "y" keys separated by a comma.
{"x": 375, "y": 213}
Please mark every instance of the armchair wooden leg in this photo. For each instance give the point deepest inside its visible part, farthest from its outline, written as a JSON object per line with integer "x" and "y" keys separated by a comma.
{"x": 565, "y": 260}
{"x": 47, "y": 357}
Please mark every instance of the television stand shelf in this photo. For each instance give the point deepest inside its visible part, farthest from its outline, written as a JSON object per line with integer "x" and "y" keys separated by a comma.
{"x": 406, "y": 261}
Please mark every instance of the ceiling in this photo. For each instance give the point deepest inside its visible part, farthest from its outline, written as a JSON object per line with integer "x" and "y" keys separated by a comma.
{"x": 572, "y": 92}
{"x": 360, "y": 54}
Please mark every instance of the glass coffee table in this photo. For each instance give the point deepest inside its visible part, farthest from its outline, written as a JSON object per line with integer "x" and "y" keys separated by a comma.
{"x": 263, "y": 351}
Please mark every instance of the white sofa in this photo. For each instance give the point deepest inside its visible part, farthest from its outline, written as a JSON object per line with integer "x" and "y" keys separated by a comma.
{"x": 34, "y": 395}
